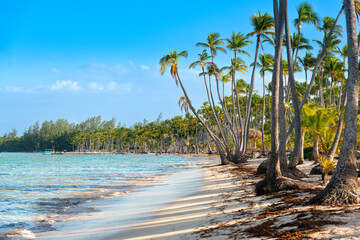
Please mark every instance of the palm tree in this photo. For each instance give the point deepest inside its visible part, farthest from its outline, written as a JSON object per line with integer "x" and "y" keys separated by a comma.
{"x": 305, "y": 15}
{"x": 333, "y": 69}
{"x": 214, "y": 43}
{"x": 344, "y": 187}
{"x": 327, "y": 23}
{"x": 235, "y": 43}
{"x": 307, "y": 62}
{"x": 262, "y": 24}
{"x": 183, "y": 104}
{"x": 172, "y": 60}
{"x": 295, "y": 46}
{"x": 266, "y": 62}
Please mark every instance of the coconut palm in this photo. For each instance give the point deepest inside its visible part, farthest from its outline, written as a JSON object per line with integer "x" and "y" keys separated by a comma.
{"x": 327, "y": 23}
{"x": 334, "y": 69}
{"x": 214, "y": 43}
{"x": 262, "y": 24}
{"x": 295, "y": 46}
{"x": 307, "y": 62}
{"x": 235, "y": 43}
{"x": 305, "y": 15}
{"x": 172, "y": 60}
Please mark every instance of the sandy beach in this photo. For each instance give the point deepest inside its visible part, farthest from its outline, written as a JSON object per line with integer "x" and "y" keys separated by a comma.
{"x": 214, "y": 202}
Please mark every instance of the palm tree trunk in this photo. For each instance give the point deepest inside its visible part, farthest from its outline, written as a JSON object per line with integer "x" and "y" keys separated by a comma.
{"x": 316, "y": 149}
{"x": 282, "y": 123}
{"x": 322, "y": 102}
{"x": 344, "y": 187}
{"x": 262, "y": 119}
{"x": 297, "y": 146}
{"x": 331, "y": 153}
{"x": 220, "y": 146}
{"x": 273, "y": 171}
{"x": 248, "y": 108}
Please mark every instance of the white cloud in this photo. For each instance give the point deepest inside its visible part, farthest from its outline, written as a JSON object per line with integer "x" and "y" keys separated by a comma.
{"x": 13, "y": 89}
{"x": 65, "y": 84}
{"x": 144, "y": 67}
{"x": 96, "y": 86}
{"x": 112, "y": 86}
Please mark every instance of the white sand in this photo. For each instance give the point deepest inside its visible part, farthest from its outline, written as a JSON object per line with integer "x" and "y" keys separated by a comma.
{"x": 215, "y": 202}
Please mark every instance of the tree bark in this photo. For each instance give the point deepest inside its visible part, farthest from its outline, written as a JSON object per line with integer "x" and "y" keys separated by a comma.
{"x": 344, "y": 187}
{"x": 297, "y": 146}
{"x": 262, "y": 119}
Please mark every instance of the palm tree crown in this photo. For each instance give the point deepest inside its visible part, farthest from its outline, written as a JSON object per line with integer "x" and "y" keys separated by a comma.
{"x": 265, "y": 63}
{"x": 214, "y": 43}
{"x": 238, "y": 41}
{"x": 203, "y": 57}
{"x": 262, "y": 23}
{"x": 327, "y": 24}
{"x": 171, "y": 59}
{"x": 305, "y": 15}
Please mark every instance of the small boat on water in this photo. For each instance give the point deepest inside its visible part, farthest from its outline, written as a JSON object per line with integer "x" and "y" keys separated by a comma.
{"x": 48, "y": 151}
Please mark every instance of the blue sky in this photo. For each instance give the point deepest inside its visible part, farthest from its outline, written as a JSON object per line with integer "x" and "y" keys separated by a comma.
{"x": 77, "y": 59}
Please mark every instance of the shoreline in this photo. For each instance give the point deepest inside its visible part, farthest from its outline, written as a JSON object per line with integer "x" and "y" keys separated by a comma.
{"x": 213, "y": 202}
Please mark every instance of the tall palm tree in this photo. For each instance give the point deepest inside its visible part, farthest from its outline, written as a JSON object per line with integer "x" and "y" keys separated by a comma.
{"x": 235, "y": 43}
{"x": 262, "y": 24}
{"x": 305, "y": 15}
{"x": 266, "y": 62}
{"x": 214, "y": 43}
{"x": 344, "y": 187}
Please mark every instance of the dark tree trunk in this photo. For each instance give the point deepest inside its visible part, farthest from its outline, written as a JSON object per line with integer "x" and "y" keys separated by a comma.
{"x": 297, "y": 146}
{"x": 344, "y": 187}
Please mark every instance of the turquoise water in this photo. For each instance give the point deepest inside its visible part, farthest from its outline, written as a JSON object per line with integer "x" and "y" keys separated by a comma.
{"x": 34, "y": 185}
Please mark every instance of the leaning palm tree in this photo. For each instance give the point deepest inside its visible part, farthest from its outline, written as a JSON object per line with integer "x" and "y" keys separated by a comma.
{"x": 262, "y": 24}
{"x": 266, "y": 62}
{"x": 171, "y": 60}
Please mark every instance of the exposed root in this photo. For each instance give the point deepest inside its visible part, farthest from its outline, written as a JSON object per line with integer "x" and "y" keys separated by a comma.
{"x": 297, "y": 173}
{"x": 337, "y": 196}
{"x": 279, "y": 184}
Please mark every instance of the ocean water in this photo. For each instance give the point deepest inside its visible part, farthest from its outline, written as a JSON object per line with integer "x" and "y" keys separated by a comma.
{"x": 38, "y": 190}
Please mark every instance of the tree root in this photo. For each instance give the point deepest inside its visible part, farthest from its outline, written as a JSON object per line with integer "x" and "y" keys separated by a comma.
{"x": 297, "y": 173}
{"x": 279, "y": 184}
{"x": 337, "y": 195}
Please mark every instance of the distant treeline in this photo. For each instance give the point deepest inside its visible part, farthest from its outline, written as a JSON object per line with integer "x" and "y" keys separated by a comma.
{"x": 179, "y": 134}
